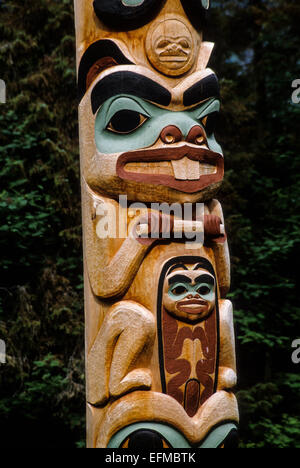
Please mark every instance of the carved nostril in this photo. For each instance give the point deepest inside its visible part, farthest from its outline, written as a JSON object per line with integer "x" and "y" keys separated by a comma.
{"x": 170, "y": 138}
{"x": 197, "y": 136}
{"x": 170, "y": 135}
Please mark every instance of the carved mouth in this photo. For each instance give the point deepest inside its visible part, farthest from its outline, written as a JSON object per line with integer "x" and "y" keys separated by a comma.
{"x": 193, "y": 306}
{"x": 185, "y": 168}
{"x": 170, "y": 55}
{"x": 173, "y": 58}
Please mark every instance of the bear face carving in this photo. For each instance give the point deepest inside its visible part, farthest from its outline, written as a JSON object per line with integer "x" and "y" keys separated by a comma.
{"x": 137, "y": 144}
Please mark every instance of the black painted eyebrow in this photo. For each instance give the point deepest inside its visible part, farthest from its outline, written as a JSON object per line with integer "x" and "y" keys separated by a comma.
{"x": 126, "y": 82}
{"x": 206, "y": 88}
{"x": 205, "y": 265}
{"x": 96, "y": 51}
{"x": 179, "y": 278}
{"x": 205, "y": 279}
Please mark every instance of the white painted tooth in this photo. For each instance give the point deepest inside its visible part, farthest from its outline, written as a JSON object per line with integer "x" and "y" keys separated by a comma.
{"x": 207, "y": 169}
{"x": 180, "y": 169}
{"x": 193, "y": 169}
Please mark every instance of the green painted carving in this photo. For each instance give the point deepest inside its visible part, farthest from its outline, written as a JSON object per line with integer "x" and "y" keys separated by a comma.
{"x": 217, "y": 436}
{"x": 180, "y": 291}
{"x": 175, "y": 439}
{"x": 172, "y": 436}
{"x": 133, "y": 3}
{"x": 148, "y": 121}
{"x": 205, "y": 4}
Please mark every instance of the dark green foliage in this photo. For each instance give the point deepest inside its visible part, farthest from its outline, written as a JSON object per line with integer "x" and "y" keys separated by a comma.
{"x": 257, "y": 59}
{"x": 41, "y": 309}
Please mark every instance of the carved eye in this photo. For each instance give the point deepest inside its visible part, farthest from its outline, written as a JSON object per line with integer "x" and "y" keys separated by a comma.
{"x": 179, "y": 290}
{"x": 126, "y": 121}
{"x": 163, "y": 44}
{"x": 204, "y": 290}
{"x": 184, "y": 43}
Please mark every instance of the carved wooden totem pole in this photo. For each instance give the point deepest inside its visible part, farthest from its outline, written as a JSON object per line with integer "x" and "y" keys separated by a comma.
{"x": 160, "y": 352}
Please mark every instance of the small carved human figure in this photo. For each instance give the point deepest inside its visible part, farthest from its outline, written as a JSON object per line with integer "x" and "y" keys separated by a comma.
{"x": 193, "y": 325}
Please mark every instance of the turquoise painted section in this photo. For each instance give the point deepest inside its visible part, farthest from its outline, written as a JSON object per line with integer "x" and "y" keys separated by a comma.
{"x": 189, "y": 289}
{"x": 217, "y": 436}
{"x": 172, "y": 436}
{"x": 132, "y": 3}
{"x": 205, "y": 4}
{"x": 147, "y": 134}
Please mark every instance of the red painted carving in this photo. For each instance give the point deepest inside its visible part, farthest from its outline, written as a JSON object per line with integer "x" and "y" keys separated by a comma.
{"x": 171, "y": 154}
{"x": 212, "y": 229}
{"x": 191, "y": 391}
{"x": 98, "y": 67}
{"x": 170, "y": 135}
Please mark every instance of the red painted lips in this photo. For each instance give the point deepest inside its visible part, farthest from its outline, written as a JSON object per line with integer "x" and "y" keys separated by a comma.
{"x": 192, "y": 306}
{"x": 171, "y": 154}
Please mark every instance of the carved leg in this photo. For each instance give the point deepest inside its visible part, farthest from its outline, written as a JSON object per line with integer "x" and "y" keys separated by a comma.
{"x": 227, "y": 369}
{"x": 127, "y": 332}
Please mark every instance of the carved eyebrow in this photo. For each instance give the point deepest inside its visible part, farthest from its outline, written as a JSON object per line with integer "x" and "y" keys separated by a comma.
{"x": 204, "y": 89}
{"x": 126, "y": 82}
{"x": 176, "y": 266}
{"x": 104, "y": 48}
{"x": 205, "y": 265}
{"x": 205, "y": 279}
{"x": 179, "y": 278}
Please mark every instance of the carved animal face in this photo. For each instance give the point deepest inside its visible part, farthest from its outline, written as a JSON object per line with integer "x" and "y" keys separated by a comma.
{"x": 189, "y": 295}
{"x": 145, "y": 137}
{"x": 146, "y": 150}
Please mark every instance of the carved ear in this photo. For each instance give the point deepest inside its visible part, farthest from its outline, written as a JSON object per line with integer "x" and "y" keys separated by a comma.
{"x": 98, "y": 57}
{"x": 127, "y": 14}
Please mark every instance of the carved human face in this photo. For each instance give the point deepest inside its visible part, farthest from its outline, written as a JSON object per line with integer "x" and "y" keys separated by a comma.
{"x": 189, "y": 295}
{"x": 171, "y": 46}
{"x": 144, "y": 148}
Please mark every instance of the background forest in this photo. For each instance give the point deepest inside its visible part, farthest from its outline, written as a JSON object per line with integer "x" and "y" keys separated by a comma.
{"x": 42, "y": 400}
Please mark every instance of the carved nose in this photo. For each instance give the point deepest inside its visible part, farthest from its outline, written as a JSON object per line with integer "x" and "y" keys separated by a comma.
{"x": 197, "y": 136}
{"x": 171, "y": 134}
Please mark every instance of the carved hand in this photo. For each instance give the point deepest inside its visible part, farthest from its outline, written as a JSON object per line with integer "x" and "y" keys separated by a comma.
{"x": 153, "y": 226}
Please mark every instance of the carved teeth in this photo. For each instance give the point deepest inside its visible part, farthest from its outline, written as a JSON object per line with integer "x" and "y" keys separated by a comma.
{"x": 193, "y": 169}
{"x": 186, "y": 169}
{"x": 179, "y": 168}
